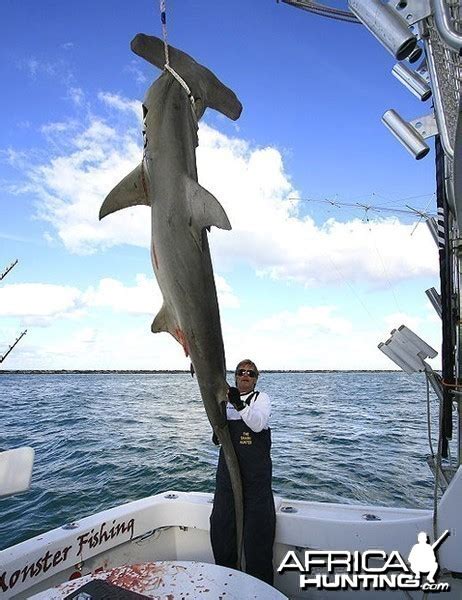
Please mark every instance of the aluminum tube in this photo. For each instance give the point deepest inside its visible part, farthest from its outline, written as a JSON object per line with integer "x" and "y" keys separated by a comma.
{"x": 415, "y": 55}
{"x": 433, "y": 228}
{"x": 406, "y": 134}
{"x": 386, "y": 25}
{"x": 435, "y": 300}
{"x": 414, "y": 82}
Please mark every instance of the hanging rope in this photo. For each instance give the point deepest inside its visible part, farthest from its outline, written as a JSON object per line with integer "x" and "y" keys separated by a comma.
{"x": 167, "y": 67}
{"x": 163, "y": 20}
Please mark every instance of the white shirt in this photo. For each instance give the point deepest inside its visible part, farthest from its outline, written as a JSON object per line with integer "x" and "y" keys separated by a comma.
{"x": 256, "y": 415}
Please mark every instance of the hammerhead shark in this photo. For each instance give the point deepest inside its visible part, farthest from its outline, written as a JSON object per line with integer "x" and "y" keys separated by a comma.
{"x": 182, "y": 211}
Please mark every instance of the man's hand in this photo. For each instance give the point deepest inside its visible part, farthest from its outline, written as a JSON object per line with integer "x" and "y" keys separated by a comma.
{"x": 235, "y": 398}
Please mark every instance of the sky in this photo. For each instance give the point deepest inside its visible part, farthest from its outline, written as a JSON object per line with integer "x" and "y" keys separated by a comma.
{"x": 304, "y": 279}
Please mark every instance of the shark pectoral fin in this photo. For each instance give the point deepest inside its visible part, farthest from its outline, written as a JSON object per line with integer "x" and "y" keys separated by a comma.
{"x": 163, "y": 321}
{"x": 131, "y": 191}
{"x": 206, "y": 211}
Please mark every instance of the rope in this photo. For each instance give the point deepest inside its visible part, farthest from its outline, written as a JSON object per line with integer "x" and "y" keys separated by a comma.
{"x": 455, "y": 386}
{"x": 167, "y": 67}
{"x": 163, "y": 20}
{"x": 183, "y": 84}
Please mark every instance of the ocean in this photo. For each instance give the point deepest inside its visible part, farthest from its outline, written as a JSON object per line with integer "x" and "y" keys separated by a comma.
{"x": 105, "y": 439}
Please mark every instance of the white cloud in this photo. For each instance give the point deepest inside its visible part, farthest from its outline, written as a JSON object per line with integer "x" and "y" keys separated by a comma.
{"x": 306, "y": 320}
{"x": 122, "y": 104}
{"x": 307, "y": 337}
{"x": 137, "y": 73}
{"x": 268, "y": 233}
{"x": 394, "y": 320}
{"x": 38, "y": 300}
{"x": 77, "y": 95}
{"x": 226, "y": 297}
{"x": 40, "y": 303}
{"x": 143, "y": 299}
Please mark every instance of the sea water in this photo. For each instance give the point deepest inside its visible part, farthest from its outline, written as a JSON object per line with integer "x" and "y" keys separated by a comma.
{"x": 105, "y": 439}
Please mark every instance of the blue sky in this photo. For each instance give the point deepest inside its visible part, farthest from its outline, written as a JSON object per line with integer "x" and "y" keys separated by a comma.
{"x": 301, "y": 283}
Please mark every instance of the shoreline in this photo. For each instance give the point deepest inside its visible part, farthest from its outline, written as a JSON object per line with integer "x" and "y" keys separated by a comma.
{"x": 176, "y": 371}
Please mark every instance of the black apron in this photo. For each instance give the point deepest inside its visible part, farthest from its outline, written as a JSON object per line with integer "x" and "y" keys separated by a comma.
{"x": 253, "y": 454}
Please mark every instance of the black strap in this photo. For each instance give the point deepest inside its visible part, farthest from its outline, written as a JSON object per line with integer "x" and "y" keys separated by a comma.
{"x": 247, "y": 401}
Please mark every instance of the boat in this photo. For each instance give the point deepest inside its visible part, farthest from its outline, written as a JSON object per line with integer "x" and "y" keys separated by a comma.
{"x": 159, "y": 546}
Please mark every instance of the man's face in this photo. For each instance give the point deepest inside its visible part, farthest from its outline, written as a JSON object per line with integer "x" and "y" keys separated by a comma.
{"x": 245, "y": 381}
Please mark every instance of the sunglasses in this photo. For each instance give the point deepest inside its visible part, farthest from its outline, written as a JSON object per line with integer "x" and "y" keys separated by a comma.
{"x": 249, "y": 372}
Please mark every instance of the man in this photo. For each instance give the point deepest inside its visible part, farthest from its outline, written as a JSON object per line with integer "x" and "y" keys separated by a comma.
{"x": 248, "y": 413}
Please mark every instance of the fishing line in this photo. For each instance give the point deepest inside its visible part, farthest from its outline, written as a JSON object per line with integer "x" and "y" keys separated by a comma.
{"x": 423, "y": 214}
{"x": 387, "y": 278}
{"x": 353, "y": 291}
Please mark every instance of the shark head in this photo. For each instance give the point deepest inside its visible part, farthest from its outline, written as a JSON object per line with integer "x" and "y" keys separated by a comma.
{"x": 206, "y": 88}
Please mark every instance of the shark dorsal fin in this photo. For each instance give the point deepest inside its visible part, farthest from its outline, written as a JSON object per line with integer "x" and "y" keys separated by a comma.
{"x": 128, "y": 192}
{"x": 205, "y": 209}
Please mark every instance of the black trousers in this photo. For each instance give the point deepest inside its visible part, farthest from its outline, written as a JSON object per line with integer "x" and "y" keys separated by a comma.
{"x": 253, "y": 453}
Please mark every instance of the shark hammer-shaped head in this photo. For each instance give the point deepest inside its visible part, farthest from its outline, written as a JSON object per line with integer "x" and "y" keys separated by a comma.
{"x": 206, "y": 88}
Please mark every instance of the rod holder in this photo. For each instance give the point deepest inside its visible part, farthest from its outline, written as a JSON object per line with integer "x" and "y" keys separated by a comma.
{"x": 415, "y": 55}
{"x": 411, "y": 80}
{"x": 407, "y": 350}
{"x": 405, "y": 133}
{"x": 386, "y": 25}
{"x": 433, "y": 228}
{"x": 435, "y": 300}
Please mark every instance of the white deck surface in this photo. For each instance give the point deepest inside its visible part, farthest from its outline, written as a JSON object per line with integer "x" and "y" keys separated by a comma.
{"x": 165, "y": 580}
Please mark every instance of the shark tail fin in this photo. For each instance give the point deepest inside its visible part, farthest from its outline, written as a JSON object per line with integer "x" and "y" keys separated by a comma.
{"x": 128, "y": 192}
{"x": 205, "y": 211}
{"x": 204, "y": 85}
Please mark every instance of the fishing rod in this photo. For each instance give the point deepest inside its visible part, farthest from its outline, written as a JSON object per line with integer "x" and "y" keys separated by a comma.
{"x": 2, "y": 358}
{"x": 8, "y": 269}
